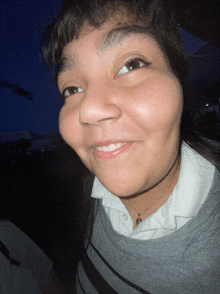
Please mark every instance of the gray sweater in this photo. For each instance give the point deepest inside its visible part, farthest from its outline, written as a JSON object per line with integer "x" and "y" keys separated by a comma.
{"x": 186, "y": 261}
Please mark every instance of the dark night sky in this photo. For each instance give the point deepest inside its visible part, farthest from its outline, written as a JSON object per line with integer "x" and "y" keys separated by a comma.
{"x": 22, "y": 23}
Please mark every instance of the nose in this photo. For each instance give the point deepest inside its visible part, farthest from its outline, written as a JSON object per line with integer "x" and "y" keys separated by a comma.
{"x": 99, "y": 105}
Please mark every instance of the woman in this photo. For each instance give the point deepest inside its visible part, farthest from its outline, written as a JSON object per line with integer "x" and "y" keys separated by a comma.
{"x": 153, "y": 200}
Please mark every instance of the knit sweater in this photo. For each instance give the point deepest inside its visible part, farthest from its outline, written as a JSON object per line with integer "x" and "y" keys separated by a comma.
{"x": 186, "y": 261}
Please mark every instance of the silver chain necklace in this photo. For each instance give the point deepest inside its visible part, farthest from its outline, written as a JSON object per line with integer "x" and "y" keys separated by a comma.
{"x": 139, "y": 220}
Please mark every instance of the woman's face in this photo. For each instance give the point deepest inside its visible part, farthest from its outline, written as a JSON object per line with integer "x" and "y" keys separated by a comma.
{"x": 122, "y": 107}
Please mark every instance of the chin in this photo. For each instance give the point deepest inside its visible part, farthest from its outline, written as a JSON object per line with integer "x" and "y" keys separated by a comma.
{"x": 122, "y": 190}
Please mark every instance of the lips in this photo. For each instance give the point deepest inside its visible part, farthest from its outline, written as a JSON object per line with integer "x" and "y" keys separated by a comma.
{"x": 109, "y": 151}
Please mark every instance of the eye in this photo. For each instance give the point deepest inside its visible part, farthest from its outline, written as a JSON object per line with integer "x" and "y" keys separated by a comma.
{"x": 70, "y": 91}
{"x": 132, "y": 65}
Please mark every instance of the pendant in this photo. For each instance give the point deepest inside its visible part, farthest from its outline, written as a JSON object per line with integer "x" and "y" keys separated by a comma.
{"x": 138, "y": 220}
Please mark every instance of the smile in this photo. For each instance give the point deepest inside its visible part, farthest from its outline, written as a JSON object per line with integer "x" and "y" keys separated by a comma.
{"x": 112, "y": 150}
{"x": 110, "y": 147}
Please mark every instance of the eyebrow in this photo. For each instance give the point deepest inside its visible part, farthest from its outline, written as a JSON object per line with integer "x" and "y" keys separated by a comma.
{"x": 119, "y": 34}
{"x": 112, "y": 39}
{"x": 66, "y": 63}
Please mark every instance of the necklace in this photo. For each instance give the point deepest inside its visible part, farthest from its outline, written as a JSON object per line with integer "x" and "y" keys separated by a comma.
{"x": 139, "y": 220}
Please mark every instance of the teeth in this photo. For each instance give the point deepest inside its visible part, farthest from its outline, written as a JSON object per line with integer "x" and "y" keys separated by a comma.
{"x": 110, "y": 147}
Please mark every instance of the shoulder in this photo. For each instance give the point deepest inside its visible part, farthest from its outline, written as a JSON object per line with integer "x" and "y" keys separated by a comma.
{"x": 35, "y": 265}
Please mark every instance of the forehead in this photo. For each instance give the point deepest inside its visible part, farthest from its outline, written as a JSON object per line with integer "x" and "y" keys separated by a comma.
{"x": 110, "y": 36}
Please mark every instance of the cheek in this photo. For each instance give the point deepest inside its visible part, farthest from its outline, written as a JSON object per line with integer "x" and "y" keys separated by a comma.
{"x": 69, "y": 127}
{"x": 157, "y": 104}
{"x": 72, "y": 133}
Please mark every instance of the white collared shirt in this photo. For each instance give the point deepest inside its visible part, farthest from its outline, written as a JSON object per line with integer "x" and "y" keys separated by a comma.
{"x": 191, "y": 190}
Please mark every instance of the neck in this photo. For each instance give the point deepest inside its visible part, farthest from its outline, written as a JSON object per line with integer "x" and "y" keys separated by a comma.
{"x": 151, "y": 200}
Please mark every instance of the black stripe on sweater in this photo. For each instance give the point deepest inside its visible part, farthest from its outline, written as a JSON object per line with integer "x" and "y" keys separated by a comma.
{"x": 84, "y": 292}
{"x": 136, "y": 287}
{"x": 98, "y": 282}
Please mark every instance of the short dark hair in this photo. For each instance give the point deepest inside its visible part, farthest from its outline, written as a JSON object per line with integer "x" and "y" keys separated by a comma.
{"x": 155, "y": 15}
{"x": 158, "y": 17}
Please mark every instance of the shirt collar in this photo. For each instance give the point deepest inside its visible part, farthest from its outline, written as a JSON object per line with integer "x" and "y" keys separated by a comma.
{"x": 108, "y": 199}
